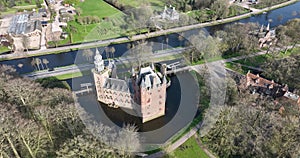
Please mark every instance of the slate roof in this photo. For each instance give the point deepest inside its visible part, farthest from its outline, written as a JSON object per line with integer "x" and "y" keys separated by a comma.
{"x": 21, "y": 24}
{"x": 118, "y": 85}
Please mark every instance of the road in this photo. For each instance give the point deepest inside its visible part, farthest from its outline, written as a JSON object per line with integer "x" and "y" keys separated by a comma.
{"x": 124, "y": 60}
{"x": 89, "y": 66}
{"x": 139, "y": 37}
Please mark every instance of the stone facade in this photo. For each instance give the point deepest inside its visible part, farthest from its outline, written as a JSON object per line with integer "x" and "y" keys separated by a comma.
{"x": 144, "y": 92}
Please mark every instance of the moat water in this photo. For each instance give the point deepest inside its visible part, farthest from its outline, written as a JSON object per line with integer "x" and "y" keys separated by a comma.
{"x": 181, "y": 108}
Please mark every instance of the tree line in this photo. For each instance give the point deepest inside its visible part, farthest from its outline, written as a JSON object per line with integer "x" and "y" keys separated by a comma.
{"x": 255, "y": 127}
{"x": 43, "y": 122}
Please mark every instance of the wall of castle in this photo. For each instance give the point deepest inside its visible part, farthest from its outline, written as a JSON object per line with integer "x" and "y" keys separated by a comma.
{"x": 153, "y": 102}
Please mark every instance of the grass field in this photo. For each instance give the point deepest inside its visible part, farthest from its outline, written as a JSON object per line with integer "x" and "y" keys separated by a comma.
{"x": 3, "y": 49}
{"x": 108, "y": 28}
{"x": 137, "y": 3}
{"x": 20, "y": 6}
{"x": 189, "y": 149}
{"x": 97, "y": 8}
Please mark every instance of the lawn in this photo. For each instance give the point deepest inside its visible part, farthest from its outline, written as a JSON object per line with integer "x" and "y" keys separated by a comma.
{"x": 137, "y": 3}
{"x": 109, "y": 27}
{"x": 72, "y": 75}
{"x": 24, "y": 3}
{"x": 21, "y": 5}
{"x": 3, "y": 49}
{"x": 97, "y": 8}
{"x": 189, "y": 149}
{"x": 262, "y": 59}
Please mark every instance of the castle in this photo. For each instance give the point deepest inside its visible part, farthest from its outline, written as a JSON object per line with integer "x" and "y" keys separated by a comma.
{"x": 144, "y": 92}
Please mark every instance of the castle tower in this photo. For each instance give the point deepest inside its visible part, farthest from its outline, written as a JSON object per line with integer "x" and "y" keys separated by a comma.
{"x": 100, "y": 76}
{"x": 99, "y": 63}
{"x": 152, "y": 93}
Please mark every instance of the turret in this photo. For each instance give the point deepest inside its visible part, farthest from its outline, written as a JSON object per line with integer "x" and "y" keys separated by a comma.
{"x": 99, "y": 63}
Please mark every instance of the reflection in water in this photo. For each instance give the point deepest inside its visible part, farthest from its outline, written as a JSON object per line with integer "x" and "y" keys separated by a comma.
{"x": 119, "y": 117}
{"x": 181, "y": 107}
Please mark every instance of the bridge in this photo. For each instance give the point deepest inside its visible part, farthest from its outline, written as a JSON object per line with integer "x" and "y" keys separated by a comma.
{"x": 173, "y": 68}
{"x": 85, "y": 88}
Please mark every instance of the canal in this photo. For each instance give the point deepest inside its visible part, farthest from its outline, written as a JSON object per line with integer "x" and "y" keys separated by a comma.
{"x": 275, "y": 17}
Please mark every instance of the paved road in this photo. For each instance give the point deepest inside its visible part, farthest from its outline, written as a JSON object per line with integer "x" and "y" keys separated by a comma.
{"x": 139, "y": 37}
{"x": 89, "y": 66}
{"x": 165, "y": 53}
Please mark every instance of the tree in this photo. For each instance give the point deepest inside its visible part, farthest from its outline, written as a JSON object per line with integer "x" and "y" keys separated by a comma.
{"x": 25, "y": 41}
{"x": 33, "y": 63}
{"x": 46, "y": 62}
{"x": 220, "y": 8}
{"x": 112, "y": 50}
{"x": 38, "y": 62}
{"x": 247, "y": 131}
{"x": 88, "y": 54}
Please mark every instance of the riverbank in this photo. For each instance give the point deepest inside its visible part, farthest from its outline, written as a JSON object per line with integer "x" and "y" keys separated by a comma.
{"x": 76, "y": 47}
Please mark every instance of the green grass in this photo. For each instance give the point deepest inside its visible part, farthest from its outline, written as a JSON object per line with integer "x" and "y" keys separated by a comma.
{"x": 3, "y": 49}
{"x": 72, "y": 75}
{"x": 254, "y": 61}
{"x": 106, "y": 29}
{"x": 20, "y": 6}
{"x": 24, "y": 3}
{"x": 189, "y": 149}
{"x": 156, "y": 4}
{"x": 68, "y": 76}
{"x": 237, "y": 68}
{"x": 262, "y": 59}
{"x": 97, "y": 8}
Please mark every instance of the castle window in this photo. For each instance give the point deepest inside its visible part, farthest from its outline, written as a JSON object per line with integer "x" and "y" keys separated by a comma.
{"x": 148, "y": 100}
{"x": 160, "y": 109}
{"x": 160, "y": 96}
{"x": 158, "y": 90}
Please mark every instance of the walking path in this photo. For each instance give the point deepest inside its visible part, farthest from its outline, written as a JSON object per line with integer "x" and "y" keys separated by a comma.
{"x": 246, "y": 6}
{"x": 139, "y": 37}
{"x": 203, "y": 147}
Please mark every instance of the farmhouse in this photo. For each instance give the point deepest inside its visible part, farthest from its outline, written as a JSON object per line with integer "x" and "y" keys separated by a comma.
{"x": 24, "y": 33}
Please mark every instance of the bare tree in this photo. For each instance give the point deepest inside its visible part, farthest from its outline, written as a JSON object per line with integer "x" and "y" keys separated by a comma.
{"x": 46, "y": 62}
{"x": 88, "y": 54}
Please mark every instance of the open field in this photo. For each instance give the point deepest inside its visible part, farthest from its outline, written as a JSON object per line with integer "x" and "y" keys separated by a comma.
{"x": 3, "y": 49}
{"x": 111, "y": 19}
{"x": 97, "y": 8}
{"x": 137, "y": 3}
{"x": 21, "y": 5}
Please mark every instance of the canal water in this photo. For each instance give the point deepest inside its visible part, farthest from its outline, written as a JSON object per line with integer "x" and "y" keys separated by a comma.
{"x": 276, "y": 17}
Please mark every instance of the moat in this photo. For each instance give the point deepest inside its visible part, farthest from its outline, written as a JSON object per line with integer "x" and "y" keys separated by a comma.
{"x": 181, "y": 108}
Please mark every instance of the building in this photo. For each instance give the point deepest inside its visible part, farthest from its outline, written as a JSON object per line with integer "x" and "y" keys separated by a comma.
{"x": 266, "y": 36}
{"x": 144, "y": 92}
{"x": 170, "y": 14}
{"x": 53, "y": 32}
{"x": 24, "y": 33}
{"x": 262, "y": 86}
